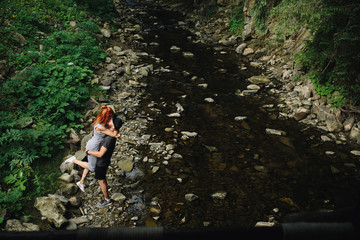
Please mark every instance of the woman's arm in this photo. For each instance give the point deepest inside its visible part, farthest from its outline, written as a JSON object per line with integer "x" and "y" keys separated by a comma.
{"x": 111, "y": 133}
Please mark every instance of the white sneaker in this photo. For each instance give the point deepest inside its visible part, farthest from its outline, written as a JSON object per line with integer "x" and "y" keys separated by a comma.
{"x": 81, "y": 186}
{"x": 70, "y": 159}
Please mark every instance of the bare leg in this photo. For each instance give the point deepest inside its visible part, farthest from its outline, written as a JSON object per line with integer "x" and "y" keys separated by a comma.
{"x": 86, "y": 169}
{"x": 83, "y": 176}
{"x": 81, "y": 163}
{"x": 103, "y": 186}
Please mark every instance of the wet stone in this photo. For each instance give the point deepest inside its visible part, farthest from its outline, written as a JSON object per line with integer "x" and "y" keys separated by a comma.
{"x": 219, "y": 195}
{"x": 225, "y": 148}
{"x": 191, "y": 197}
{"x": 118, "y": 197}
{"x": 275, "y": 132}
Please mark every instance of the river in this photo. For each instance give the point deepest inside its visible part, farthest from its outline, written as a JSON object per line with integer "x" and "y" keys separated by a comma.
{"x": 259, "y": 176}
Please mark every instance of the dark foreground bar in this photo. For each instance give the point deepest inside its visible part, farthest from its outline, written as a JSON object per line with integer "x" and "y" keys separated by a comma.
{"x": 287, "y": 231}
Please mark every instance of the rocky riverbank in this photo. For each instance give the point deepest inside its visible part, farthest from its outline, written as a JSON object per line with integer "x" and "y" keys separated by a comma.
{"x": 141, "y": 157}
{"x": 297, "y": 98}
{"x": 122, "y": 77}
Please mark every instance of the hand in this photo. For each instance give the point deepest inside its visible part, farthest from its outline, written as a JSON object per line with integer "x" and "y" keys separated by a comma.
{"x": 86, "y": 149}
{"x": 117, "y": 135}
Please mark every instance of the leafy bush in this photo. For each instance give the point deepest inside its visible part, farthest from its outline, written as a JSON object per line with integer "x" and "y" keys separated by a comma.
{"x": 332, "y": 57}
{"x": 44, "y": 100}
{"x": 236, "y": 24}
{"x": 292, "y": 15}
{"x": 260, "y": 12}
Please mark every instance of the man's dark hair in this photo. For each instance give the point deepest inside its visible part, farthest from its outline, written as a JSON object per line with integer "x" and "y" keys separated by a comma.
{"x": 117, "y": 122}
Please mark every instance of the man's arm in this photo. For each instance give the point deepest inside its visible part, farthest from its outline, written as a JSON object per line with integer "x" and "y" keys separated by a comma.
{"x": 98, "y": 154}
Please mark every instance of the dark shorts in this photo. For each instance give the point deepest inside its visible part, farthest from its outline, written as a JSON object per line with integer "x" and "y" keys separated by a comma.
{"x": 100, "y": 172}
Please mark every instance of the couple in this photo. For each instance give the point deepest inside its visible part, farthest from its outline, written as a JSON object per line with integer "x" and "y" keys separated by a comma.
{"x": 99, "y": 150}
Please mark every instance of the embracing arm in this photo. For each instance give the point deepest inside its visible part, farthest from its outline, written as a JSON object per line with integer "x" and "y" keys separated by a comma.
{"x": 111, "y": 133}
{"x": 98, "y": 154}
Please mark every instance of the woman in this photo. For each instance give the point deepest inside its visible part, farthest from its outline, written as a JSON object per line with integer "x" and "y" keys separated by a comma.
{"x": 103, "y": 125}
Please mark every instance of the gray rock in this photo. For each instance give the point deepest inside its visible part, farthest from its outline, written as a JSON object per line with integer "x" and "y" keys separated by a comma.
{"x": 63, "y": 199}
{"x": 264, "y": 224}
{"x": 191, "y": 197}
{"x": 240, "y": 118}
{"x": 174, "y": 115}
{"x": 118, "y": 197}
{"x": 188, "y": 55}
{"x": 275, "y": 132}
{"x": 322, "y": 112}
{"x": 355, "y": 152}
{"x": 175, "y": 49}
{"x": 20, "y": 38}
{"x": 241, "y": 48}
{"x": 301, "y": 113}
{"x": 219, "y": 195}
{"x": 261, "y": 169}
{"x": 248, "y": 92}
{"x": 333, "y": 125}
{"x": 177, "y": 156}
{"x": 259, "y": 79}
{"x": 66, "y": 178}
{"x": 348, "y": 124}
{"x": 355, "y": 133}
{"x": 111, "y": 67}
{"x": 253, "y": 87}
{"x": 75, "y": 201}
{"x": 303, "y": 91}
{"x": 52, "y": 209}
{"x": 248, "y": 51}
{"x": 71, "y": 225}
{"x": 105, "y": 32}
{"x": 154, "y": 169}
{"x": 189, "y": 134}
{"x": 68, "y": 189}
{"x": 145, "y": 71}
{"x": 126, "y": 164}
{"x": 209, "y": 100}
{"x": 15, "y": 225}
{"x": 80, "y": 220}
{"x": 106, "y": 81}
{"x": 66, "y": 167}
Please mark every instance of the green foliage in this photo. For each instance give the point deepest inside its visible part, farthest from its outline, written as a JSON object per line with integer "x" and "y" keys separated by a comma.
{"x": 292, "y": 15}
{"x": 13, "y": 199}
{"x": 44, "y": 100}
{"x": 104, "y": 9}
{"x": 32, "y": 19}
{"x": 236, "y": 24}
{"x": 333, "y": 55}
{"x": 260, "y": 12}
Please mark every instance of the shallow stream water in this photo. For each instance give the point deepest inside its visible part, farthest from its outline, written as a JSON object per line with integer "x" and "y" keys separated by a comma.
{"x": 265, "y": 177}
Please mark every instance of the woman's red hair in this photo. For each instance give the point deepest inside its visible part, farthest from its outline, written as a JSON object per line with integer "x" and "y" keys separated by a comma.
{"x": 104, "y": 116}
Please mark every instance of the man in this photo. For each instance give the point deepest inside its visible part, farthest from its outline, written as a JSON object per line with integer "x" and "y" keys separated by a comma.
{"x": 104, "y": 154}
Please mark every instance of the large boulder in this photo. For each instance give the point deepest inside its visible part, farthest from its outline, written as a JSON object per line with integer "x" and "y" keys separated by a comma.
{"x": 16, "y": 226}
{"x": 332, "y": 124}
{"x": 126, "y": 164}
{"x": 52, "y": 209}
{"x": 68, "y": 189}
{"x": 355, "y": 133}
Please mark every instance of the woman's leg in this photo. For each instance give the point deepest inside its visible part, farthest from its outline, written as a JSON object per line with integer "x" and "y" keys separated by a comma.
{"x": 86, "y": 169}
{"x": 81, "y": 164}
